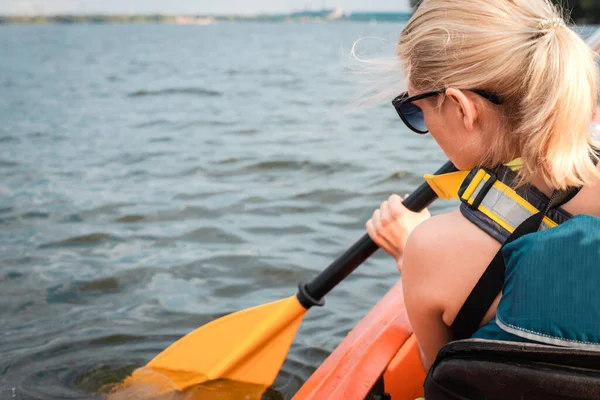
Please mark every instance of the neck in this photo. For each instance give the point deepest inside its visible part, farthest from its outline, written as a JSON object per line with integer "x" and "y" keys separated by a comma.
{"x": 542, "y": 186}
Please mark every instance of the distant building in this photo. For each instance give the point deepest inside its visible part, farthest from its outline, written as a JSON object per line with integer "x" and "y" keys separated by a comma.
{"x": 330, "y": 14}
{"x": 380, "y": 16}
{"x": 340, "y": 14}
{"x": 194, "y": 20}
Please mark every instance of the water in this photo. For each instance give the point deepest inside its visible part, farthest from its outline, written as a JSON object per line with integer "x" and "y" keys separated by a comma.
{"x": 155, "y": 177}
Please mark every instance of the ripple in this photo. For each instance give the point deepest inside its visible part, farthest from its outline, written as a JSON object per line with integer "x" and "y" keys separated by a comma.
{"x": 21, "y": 261}
{"x": 203, "y": 122}
{"x": 180, "y": 214}
{"x": 327, "y": 196}
{"x": 268, "y": 209}
{"x": 115, "y": 339}
{"x": 284, "y": 83}
{"x": 249, "y": 131}
{"x": 194, "y": 91}
{"x": 38, "y": 134}
{"x": 105, "y": 209}
{"x": 357, "y": 212}
{"x": 99, "y": 379}
{"x": 298, "y": 367}
{"x": 185, "y": 173}
{"x": 69, "y": 370}
{"x": 135, "y": 158}
{"x": 31, "y": 215}
{"x": 35, "y": 215}
{"x": 233, "y": 290}
{"x": 286, "y": 230}
{"x": 149, "y": 124}
{"x": 395, "y": 177}
{"x": 84, "y": 240}
{"x": 79, "y": 292}
{"x": 287, "y": 165}
{"x": 8, "y": 139}
{"x": 7, "y": 163}
{"x": 211, "y": 235}
{"x": 163, "y": 139}
{"x": 231, "y": 160}
{"x": 99, "y": 286}
{"x": 194, "y": 196}
{"x": 132, "y": 218}
{"x": 114, "y": 78}
{"x": 76, "y": 292}
{"x": 282, "y": 166}
{"x": 11, "y": 276}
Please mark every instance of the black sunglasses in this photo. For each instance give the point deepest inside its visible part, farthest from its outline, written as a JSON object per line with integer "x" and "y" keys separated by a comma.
{"x": 412, "y": 115}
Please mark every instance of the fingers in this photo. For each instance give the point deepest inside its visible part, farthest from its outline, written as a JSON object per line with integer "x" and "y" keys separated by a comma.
{"x": 378, "y": 235}
{"x": 377, "y": 223}
{"x": 391, "y": 224}
{"x": 397, "y": 209}
{"x": 381, "y": 229}
{"x": 386, "y": 214}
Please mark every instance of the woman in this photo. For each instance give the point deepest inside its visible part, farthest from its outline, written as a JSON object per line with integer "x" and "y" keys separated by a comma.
{"x": 496, "y": 80}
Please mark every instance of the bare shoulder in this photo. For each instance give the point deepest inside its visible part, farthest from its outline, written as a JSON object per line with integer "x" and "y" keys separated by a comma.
{"x": 445, "y": 237}
{"x": 443, "y": 260}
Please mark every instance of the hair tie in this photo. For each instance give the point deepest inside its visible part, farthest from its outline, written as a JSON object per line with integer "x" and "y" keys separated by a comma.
{"x": 551, "y": 23}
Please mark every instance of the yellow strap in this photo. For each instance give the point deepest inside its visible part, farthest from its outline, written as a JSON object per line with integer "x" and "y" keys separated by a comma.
{"x": 481, "y": 175}
{"x": 446, "y": 186}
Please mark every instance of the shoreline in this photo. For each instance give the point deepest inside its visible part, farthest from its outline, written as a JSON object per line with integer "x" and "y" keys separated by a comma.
{"x": 201, "y": 19}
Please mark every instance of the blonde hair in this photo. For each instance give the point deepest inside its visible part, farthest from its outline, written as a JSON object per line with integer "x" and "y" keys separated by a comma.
{"x": 522, "y": 51}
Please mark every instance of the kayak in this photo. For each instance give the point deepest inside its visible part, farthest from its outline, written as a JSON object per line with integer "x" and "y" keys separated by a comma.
{"x": 382, "y": 344}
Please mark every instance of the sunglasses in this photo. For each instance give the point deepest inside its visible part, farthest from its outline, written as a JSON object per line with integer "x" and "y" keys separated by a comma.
{"x": 412, "y": 115}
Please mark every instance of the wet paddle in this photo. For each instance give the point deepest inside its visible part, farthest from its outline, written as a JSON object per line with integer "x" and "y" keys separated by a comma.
{"x": 251, "y": 345}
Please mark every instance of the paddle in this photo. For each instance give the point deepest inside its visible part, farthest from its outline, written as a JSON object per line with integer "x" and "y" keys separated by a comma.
{"x": 251, "y": 345}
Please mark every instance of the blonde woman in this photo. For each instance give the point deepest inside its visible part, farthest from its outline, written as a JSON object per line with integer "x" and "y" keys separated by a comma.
{"x": 491, "y": 81}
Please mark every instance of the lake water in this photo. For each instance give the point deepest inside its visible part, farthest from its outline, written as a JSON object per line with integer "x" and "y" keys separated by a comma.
{"x": 156, "y": 177}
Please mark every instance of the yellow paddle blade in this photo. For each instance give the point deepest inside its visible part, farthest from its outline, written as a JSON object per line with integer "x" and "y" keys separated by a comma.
{"x": 248, "y": 346}
{"x": 446, "y": 185}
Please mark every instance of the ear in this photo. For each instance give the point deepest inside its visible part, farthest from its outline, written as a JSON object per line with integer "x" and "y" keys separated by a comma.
{"x": 466, "y": 107}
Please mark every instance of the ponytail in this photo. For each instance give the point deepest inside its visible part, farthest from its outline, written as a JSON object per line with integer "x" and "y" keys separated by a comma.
{"x": 559, "y": 99}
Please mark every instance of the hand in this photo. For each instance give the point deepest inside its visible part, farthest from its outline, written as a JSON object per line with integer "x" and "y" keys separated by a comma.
{"x": 392, "y": 223}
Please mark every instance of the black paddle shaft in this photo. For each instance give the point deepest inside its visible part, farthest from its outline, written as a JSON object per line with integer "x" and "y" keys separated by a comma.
{"x": 312, "y": 293}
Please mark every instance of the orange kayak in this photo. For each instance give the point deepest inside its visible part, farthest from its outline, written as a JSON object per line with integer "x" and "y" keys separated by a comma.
{"x": 382, "y": 343}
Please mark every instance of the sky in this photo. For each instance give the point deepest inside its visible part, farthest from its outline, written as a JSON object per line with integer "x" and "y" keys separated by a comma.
{"x": 28, "y": 7}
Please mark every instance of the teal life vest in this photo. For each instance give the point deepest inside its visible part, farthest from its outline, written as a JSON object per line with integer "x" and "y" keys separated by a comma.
{"x": 551, "y": 288}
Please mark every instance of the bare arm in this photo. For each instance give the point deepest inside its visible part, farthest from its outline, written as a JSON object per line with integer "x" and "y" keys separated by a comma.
{"x": 423, "y": 297}
{"x": 443, "y": 260}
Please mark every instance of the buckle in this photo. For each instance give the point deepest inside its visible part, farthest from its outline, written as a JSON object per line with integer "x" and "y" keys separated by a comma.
{"x": 484, "y": 190}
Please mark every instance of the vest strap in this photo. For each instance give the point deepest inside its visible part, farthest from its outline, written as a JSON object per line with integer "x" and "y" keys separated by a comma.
{"x": 481, "y": 190}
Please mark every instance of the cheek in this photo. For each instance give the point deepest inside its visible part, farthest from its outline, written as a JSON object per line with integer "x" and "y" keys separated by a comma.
{"x": 461, "y": 147}
{"x": 441, "y": 131}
